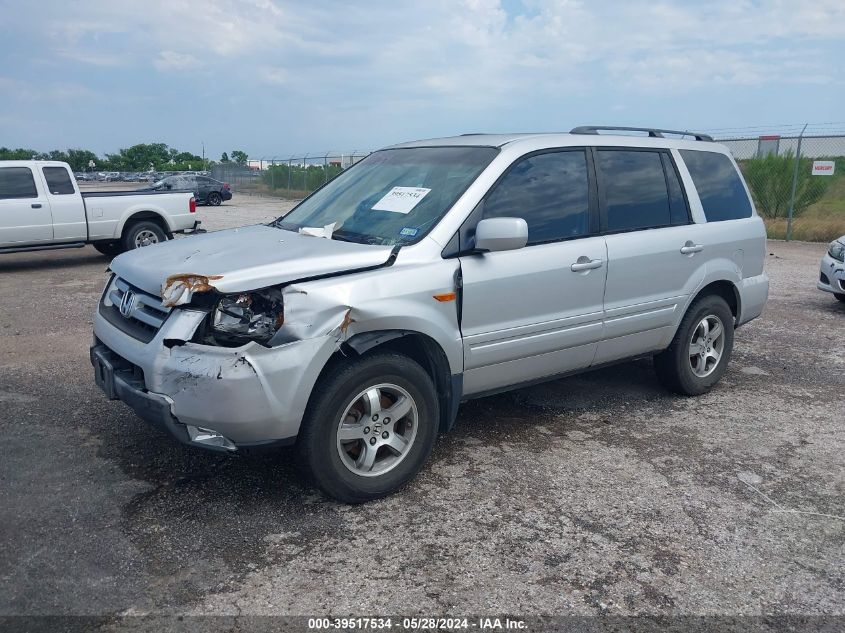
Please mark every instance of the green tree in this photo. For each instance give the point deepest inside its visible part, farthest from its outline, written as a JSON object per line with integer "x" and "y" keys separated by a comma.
{"x": 78, "y": 159}
{"x": 224, "y": 158}
{"x": 239, "y": 157}
{"x": 770, "y": 180}
{"x": 20, "y": 153}
{"x": 139, "y": 157}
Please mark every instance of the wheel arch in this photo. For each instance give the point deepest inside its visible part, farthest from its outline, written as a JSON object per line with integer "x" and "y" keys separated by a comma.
{"x": 146, "y": 214}
{"x": 725, "y": 289}
{"x": 419, "y": 347}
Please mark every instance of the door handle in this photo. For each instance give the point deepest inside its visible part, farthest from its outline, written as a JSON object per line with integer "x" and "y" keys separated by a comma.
{"x": 690, "y": 247}
{"x": 585, "y": 263}
{"x": 36, "y": 205}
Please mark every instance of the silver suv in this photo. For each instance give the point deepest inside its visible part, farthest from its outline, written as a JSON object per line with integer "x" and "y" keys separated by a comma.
{"x": 430, "y": 273}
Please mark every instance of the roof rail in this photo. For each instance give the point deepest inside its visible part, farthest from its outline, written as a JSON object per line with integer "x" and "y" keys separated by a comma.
{"x": 652, "y": 132}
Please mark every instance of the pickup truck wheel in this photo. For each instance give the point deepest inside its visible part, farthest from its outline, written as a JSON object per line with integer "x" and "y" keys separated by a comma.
{"x": 143, "y": 233}
{"x": 214, "y": 199}
{"x": 369, "y": 428}
{"x": 699, "y": 354}
{"x": 109, "y": 249}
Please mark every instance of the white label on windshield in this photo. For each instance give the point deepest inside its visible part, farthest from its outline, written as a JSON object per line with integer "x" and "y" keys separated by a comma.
{"x": 401, "y": 199}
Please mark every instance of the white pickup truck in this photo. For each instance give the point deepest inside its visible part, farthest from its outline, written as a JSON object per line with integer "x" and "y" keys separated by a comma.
{"x": 42, "y": 208}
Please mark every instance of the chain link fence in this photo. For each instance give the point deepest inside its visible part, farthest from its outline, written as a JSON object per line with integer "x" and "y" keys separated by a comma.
{"x": 292, "y": 177}
{"x": 797, "y": 181}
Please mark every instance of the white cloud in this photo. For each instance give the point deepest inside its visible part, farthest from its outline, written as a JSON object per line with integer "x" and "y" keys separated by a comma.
{"x": 398, "y": 67}
{"x": 454, "y": 46}
{"x": 171, "y": 60}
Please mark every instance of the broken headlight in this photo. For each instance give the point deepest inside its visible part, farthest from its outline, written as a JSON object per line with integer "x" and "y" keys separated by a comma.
{"x": 251, "y": 316}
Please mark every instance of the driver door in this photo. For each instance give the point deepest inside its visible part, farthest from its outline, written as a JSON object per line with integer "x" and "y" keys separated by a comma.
{"x": 537, "y": 311}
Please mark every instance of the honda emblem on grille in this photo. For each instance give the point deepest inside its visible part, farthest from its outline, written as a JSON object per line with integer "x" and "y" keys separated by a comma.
{"x": 127, "y": 303}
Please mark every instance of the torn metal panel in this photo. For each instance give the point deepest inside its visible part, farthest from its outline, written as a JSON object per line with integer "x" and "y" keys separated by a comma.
{"x": 247, "y": 394}
{"x": 178, "y": 289}
{"x": 313, "y": 313}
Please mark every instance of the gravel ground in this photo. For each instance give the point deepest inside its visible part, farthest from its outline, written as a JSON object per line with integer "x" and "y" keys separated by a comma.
{"x": 598, "y": 494}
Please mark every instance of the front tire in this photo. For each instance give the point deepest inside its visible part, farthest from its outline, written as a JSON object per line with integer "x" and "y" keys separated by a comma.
{"x": 143, "y": 233}
{"x": 839, "y": 296}
{"x": 369, "y": 427}
{"x": 699, "y": 354}
{"x": 214, "y": 199}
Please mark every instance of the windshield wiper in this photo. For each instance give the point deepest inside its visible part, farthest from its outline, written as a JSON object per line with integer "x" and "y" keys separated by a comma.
{"x": 350, "y": 236}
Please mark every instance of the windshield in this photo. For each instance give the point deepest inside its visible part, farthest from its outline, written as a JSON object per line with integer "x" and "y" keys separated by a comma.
{"x": 393, "y": 196}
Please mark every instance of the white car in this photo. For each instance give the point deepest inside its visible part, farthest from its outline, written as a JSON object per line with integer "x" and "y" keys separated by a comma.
{"x": 42, "y": 208}
{"x": 832, "y": 273}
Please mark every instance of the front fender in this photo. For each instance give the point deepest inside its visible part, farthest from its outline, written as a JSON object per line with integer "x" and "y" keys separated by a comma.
{"x": 395, "y": 298}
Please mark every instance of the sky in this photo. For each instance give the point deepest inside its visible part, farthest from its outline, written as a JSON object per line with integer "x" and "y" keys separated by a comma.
{"x": 277, "y": 78}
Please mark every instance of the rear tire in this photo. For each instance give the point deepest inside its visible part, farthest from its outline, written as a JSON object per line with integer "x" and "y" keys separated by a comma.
{"x": 142, "y": 233}
{"x": 839, "y": 296}
{"x": 349, "y": 446}
{"x": 699, "y": 354}
{"x": 214, "y": 199}
{"x": 109, "y": 249}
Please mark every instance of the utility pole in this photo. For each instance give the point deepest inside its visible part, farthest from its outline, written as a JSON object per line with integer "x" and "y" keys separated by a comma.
{"x": 794, "y": 184}
{"x": 203, "y": 156}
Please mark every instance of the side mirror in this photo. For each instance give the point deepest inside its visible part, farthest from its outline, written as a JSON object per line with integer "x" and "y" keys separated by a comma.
{"x": 501, "y": 234}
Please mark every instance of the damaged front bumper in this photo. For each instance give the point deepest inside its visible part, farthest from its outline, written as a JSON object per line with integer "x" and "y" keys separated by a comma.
{"x": 214, "y": 397}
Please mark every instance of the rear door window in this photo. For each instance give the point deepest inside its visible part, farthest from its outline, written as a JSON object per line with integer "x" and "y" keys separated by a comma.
{"x": 718, "y": 184}
{"x": 17, "y": 182}
{"x": 549, "y": 191}
{"x": 635, "y": 192}
{"x": 58, "y": 181}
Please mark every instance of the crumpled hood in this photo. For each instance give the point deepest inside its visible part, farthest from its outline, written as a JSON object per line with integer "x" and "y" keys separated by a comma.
{"x": 244, "y": 259}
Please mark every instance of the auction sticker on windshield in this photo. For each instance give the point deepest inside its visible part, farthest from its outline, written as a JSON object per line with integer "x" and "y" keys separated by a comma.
{"x": 401, "y": 199}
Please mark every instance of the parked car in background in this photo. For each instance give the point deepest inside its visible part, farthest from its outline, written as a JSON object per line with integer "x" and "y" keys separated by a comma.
{"x": 431, "y": 273}
{"x": 832, "y": 273}
{"x": 206, "y": 190}
{"x": 42, "y": 208}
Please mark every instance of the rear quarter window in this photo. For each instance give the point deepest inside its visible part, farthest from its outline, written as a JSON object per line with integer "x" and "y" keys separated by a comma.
{"x": 719, "y": 185}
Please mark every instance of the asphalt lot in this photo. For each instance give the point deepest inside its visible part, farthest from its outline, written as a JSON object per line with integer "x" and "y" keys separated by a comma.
{"x": 596, "y": 494}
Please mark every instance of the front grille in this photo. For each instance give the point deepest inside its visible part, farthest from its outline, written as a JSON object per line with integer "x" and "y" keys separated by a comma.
{"x": 145, "y": 314}
{"x": 823, "y": 278}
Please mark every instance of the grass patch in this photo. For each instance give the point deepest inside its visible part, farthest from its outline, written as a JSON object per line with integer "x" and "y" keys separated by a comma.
{"x": 822, "y": 221}
{"x": 808, "y": 228}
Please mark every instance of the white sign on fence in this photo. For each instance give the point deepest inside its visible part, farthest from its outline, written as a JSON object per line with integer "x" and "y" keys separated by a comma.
{"x": 823, "y": 167}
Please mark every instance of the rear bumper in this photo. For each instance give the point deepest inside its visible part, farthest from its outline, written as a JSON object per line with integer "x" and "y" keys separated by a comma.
{"x": 226, "y": 194}
{"x": 753, "y": 293}
{"x": 194, "y": 228}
